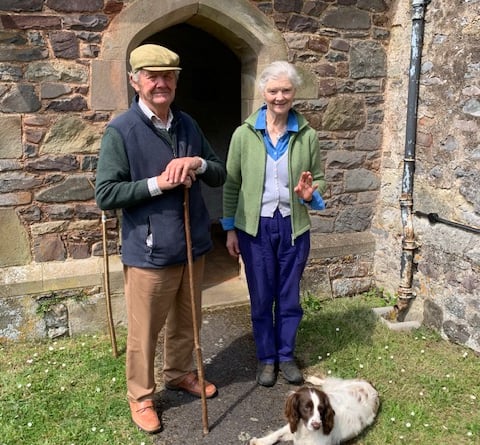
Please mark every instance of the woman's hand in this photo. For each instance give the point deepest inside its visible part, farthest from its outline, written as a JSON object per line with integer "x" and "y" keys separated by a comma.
{"x": 305, "y": 188}
{"x": 232, "y": 243}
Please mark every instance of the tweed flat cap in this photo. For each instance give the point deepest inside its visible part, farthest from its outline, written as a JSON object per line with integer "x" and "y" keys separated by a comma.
{"x": 154, "y": 58}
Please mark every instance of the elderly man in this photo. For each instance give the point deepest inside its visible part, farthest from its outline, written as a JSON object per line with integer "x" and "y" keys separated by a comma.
{"x": 148, "y": 155}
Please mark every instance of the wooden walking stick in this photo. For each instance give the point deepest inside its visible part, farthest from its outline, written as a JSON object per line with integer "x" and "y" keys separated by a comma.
{"x": 106, "y": 282}
{"x": 198, "y": 349}
{"x": 106, "y": 286}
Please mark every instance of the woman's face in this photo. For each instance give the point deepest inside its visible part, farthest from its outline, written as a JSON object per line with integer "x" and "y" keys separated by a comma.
{"x": 279, "y": 94}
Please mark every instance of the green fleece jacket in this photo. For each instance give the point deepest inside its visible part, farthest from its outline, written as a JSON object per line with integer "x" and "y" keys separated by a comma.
{"x": 246, "y": 161}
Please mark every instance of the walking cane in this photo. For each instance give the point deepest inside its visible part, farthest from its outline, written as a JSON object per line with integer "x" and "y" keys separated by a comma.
{"x": 106, "y": 282}
{"x": 106, "y": 287}
{"x": 198, "y": 349}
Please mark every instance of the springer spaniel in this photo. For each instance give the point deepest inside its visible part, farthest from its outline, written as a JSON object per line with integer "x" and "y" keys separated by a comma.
{"x": 336, "y": 411}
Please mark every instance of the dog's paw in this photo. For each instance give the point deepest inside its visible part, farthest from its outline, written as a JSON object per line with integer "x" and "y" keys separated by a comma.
{"x": 314, "y": 380}
{"x": 256, "y": 441}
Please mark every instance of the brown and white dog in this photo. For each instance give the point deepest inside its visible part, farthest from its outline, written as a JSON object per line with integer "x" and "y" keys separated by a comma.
{"x": 332, "y": 411}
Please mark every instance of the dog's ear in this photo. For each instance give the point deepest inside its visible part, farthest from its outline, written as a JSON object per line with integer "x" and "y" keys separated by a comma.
{"x": 327, "y": 415}
{"x": 291, "y": 411}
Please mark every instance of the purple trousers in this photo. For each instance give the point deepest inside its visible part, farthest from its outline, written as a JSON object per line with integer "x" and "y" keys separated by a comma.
{"x": 273, "y": 268}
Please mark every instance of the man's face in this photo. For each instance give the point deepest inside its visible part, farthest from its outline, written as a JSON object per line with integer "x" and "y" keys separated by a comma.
{"x": 155, "y": 88}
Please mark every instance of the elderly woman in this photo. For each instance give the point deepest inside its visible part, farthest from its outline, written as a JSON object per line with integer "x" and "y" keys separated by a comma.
{"x": 274, "y": 176}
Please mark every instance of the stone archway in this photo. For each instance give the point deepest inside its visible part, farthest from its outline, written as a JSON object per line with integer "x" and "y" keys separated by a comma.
{"x": 239, "y": 25}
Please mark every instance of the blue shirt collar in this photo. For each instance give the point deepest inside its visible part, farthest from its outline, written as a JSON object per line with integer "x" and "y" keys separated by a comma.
{"x": 276, "y": 152}
{"x": 261, "y": 122}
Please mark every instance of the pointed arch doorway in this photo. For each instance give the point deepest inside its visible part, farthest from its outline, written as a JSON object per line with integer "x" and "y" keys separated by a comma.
{"x": 223, "y": 46}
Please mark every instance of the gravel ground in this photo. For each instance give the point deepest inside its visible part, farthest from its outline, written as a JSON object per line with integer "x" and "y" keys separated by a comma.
{"x": 242, "y": 409}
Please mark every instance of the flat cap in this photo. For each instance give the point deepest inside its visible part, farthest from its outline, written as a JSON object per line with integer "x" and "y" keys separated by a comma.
{"x": 154, "y": 58}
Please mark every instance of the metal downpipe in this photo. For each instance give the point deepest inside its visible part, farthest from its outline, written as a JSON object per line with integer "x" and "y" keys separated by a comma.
{"x": 405, "y": 292}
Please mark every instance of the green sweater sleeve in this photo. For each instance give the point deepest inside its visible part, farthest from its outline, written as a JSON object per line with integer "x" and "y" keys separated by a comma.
{"x": 233, "y": 182}
{"x": 114, "y": 188}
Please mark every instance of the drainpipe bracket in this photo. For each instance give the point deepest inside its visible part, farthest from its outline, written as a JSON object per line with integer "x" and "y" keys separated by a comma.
{"x": 417, "y": 3}
{"x": 411, "y": 245}
{"x": 419, "y": 9}
{"x": 405, "y": 293}
{"x": 406, "y": 200}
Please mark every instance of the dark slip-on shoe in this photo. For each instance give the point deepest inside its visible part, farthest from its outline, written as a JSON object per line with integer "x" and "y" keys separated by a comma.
{"x": 291, "y": 372}
{"x": 266, "y": 374}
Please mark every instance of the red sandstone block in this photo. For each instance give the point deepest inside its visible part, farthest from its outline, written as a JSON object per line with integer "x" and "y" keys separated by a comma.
{"x": 30, "y": 22}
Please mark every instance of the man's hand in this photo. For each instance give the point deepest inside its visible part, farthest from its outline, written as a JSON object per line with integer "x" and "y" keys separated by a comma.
{"x": 179, "y": 168}
{"x": 179, "y": 171}
{"x": 164, "y": 183}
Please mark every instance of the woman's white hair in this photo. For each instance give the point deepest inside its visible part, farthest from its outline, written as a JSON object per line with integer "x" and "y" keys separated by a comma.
{"x": 278, "y": 69}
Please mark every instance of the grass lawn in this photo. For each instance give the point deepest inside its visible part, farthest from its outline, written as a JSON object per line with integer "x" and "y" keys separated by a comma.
{"x": 429, "y": 388}
{"x": 72, "y": 391}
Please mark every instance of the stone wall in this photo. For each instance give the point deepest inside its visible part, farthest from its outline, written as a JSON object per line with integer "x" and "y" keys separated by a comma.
{"x": 49, "y": 136}
{"x": 446, "y": 278}
{"x": 356, "y": 55}
{"x": 49, "y": 141}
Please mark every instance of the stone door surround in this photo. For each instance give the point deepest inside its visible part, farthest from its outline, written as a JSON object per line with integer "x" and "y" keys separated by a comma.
{"x": 239, "y": 25}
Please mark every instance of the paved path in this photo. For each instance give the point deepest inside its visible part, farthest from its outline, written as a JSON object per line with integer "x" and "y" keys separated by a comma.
{"x": 242, "y": 409}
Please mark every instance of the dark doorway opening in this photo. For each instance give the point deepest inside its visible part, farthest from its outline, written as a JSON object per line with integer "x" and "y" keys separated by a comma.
{"x": 209, "y": 90}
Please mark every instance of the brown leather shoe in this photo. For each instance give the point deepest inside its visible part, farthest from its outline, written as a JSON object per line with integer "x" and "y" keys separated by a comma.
{"x": 145, "y": 416}
{"x": 191, "y": 384}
